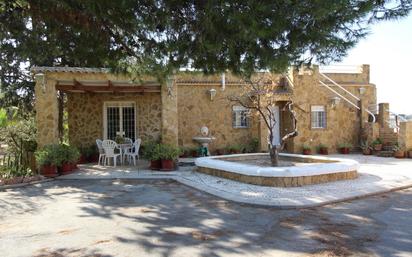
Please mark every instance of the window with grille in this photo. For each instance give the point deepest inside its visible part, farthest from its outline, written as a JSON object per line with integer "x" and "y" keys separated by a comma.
{"x": 318, "y": 118}
{"x": 240, "y": 117}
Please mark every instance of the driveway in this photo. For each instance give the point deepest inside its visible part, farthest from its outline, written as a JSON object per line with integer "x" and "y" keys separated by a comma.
{"x": 165, "y": 218}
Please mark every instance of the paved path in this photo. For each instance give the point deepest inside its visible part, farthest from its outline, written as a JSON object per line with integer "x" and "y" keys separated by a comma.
{"x": 164, "y": 218}
{"x": 377, "y": 175}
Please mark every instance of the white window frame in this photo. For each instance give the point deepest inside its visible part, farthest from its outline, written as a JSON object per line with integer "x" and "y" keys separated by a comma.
{"x": 237, "y": 112}
{"x": 318, "y": 117}
{"x": 119, "y": 104}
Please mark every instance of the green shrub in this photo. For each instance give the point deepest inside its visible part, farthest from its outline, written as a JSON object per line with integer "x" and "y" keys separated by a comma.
{"x": 345, "y": 145}
{"x": 377, "y": 141}
{"x": 252, "y": 146}
{"x": 151, "y": 150}
{"x": 168, "y": 152}
{"x": 306, "y": 147}
{"x": 48, "y": 155}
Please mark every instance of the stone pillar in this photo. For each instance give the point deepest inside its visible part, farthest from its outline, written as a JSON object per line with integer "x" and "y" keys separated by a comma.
{"x": 405, "y": 135}
{"x": 169, "y": 113}
{"x": 383, "y": 116}
{"x": 366, "y": 72}
{"x": 47, "y": 111}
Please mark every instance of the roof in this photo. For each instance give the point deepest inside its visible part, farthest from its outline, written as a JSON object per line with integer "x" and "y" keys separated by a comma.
{"x": 37, "y": 69}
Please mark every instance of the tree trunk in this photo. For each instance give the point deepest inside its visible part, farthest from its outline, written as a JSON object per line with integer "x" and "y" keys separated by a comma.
{"x": 274, "y": 155}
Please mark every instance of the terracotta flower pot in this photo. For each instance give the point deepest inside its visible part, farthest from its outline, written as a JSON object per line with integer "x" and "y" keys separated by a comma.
{"x": 306, "y": 151}
{"x": 323, "y": 151}
{"x": 195, "y": 153}
{"x": 367, "y": 151}
{"x": 378, "y": 147}
{"x": 344, "y": 150}
{"x": 168, "y": 165}
{"x": 66, "y": 168}
{"x": 219, "y": 152}
{"x": 93, "y": 158}
{"x": 82, "y": 159}
{"x": 49, "y": 171}
{"x": 155, "y": 164}
{"x": 399, "y": 154}
{"x": 410, "y": 154}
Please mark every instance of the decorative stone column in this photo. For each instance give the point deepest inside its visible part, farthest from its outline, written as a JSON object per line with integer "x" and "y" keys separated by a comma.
{"x": 47, "y": 111}
{"x": 169, "y": 113}
{"x": 383, "y": 117}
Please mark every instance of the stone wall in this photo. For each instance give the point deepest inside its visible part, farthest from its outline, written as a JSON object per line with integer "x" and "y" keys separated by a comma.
{"x": 188, "y": 107}
{"x": 86, "y": 115}
{"x": 343, "y": 120}
{"x": 195, "y": 109}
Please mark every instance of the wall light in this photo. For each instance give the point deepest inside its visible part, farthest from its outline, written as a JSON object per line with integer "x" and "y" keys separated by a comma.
{"x": 362, "y": 90}
{"x": 212, "y": 93}
{"x": 334, "y": 101}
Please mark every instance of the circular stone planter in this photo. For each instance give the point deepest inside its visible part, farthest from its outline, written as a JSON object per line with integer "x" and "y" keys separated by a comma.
{"x": 320, "y": 169}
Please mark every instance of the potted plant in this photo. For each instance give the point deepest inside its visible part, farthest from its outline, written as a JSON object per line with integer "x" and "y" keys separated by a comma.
{"x": 47, "y": 160}
{"x": 377, "y": 144}
{"x": 151, "y": 153}
{"x": 344, "y": 148}
{"x": 322, "y": 149}
{"x": 184, "y": 152}
{"x": 194, "y": 151}
{"x": 306, "y": 150}
{"x": 120, "y": 140}
{"x": 398, "y": 152}
{"x": 220, "y": 151}
{"x": 168, "y": 154}
{"x": 366, "y": 148}
{"x": 235, "y": 149}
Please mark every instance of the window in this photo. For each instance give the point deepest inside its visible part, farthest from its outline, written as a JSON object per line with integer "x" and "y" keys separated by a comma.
{"x": 240, "y": 117}
{"x": 318, "y": 117}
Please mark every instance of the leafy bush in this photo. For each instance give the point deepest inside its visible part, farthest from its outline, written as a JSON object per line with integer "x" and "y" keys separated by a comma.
{"x": 377, "y": 141}
{"x": 306, "y": 147}
{"x": 252, "y": 146}
{"x": 151, "y": 150}
{"x": 57, "y": 154}
{"x": 344, "y": 145}
{"x": 168, "y": 152}
{"x": 20, "y": 137}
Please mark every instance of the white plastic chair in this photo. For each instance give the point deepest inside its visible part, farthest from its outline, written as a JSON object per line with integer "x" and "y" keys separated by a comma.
{"x": 128, "y": 141}
{"x": 102, "y": 158}
{"x": 109, "y": 147}
{"x": 135, "y": 153}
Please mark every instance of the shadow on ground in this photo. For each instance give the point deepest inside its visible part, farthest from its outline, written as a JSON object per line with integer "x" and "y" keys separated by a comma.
{"x": 165, "y": 218}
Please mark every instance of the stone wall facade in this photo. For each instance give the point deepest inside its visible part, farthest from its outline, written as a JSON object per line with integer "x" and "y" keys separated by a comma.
{"x": 184, "y": 105}
{"x": 85, "y": 115}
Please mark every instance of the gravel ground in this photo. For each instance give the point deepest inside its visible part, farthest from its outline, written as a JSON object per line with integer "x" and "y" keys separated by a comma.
{"x": 165, "y": 218}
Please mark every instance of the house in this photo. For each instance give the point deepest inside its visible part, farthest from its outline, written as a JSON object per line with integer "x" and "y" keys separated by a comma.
{"x": 332, "y": 107}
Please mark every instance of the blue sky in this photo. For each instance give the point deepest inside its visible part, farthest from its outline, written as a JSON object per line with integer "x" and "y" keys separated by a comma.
{"x": 388, "y": 50}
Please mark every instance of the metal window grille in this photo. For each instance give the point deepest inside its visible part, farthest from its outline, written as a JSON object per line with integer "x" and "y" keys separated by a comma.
{"x": 120, "y": 120}
{"x": 240, "y": 117}
{"x": 318, "y": 118}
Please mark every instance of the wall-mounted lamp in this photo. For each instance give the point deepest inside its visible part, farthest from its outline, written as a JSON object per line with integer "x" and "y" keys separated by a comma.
{"x": 212, "y": 93}
{"x": 334, "y": 101}
{"x": 362, "y": 90}
{"x": 41, "y": 78}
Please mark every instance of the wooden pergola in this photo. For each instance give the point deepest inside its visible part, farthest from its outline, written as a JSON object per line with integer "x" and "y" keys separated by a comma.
{"x": 106, "y": 86}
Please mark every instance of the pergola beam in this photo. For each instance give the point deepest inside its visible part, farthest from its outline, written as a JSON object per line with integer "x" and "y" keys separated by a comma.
{"x": 108, "y": 87}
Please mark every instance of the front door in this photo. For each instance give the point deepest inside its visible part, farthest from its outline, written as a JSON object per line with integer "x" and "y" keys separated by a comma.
{"x": 276, "y": 127}
{"x": 119, "y": 120}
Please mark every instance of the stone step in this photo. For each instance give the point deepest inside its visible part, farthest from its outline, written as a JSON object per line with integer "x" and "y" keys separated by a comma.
{"x": 385, "y": 154}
